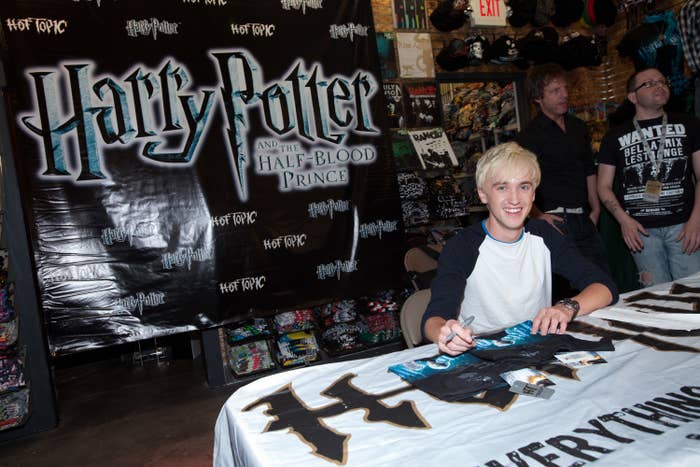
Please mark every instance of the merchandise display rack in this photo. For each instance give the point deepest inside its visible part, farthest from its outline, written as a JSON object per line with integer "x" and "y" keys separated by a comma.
{"x": 14, "y": 388}
{"x": 41, "y": 415}
{"x": 236, "y": 354}
{"x": 477, "y": 111}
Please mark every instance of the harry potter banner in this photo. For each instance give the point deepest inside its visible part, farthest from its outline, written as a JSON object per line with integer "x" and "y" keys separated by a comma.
{"x": 184, "y": 161}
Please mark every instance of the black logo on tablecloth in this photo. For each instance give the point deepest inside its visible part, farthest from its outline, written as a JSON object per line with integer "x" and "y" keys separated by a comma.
{"x": 291, "y": 413}
{"x": 650, "y": 336}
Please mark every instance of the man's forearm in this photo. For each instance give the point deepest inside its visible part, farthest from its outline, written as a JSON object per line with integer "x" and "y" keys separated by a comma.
{"x": 695, "y": 213}
{"x": 607, "y": 197}
{"x": 431, "y": 329}
{"x": 593, "y": 297}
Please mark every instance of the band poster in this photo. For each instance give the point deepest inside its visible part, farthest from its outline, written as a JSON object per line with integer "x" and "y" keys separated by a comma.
{"x": 183, "y": 163}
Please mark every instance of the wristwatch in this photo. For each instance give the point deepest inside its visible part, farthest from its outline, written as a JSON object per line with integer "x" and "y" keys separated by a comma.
{"x": 571, "y": 305}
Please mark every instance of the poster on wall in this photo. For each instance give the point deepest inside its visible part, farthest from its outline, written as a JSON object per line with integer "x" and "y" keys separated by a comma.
{"x": 421, "y": 104}
{"x": 409, "y": 14}
{"x": 415, "y": 52}
{"x": 184, "y": 163}
{"x": 433, "y": 148}
{"x": 405, "y": 155}
{"x": 386, "y": 48}
{"x": 394, "y": 104}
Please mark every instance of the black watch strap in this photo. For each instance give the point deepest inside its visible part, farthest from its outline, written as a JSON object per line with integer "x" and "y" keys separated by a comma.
{"x": 572, "y": 305}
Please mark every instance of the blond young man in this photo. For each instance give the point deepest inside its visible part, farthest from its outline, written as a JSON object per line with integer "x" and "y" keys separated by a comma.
{"x": 500, "y": 270}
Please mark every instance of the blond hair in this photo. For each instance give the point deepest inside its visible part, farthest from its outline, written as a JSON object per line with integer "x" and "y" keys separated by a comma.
{"x": 506, "y": 161}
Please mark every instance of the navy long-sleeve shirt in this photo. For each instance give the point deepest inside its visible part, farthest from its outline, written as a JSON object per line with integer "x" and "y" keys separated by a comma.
{"x": 503, "y": 284}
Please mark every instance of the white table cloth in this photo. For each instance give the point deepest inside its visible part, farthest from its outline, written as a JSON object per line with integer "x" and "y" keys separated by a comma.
{"x": 640, "y": 408}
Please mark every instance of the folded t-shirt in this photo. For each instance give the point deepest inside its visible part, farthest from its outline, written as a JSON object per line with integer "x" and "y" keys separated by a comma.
{"x": 457, "y": 378}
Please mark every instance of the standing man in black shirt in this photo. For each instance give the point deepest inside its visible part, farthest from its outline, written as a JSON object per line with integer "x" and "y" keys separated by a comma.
{"x": 567, "y": 197}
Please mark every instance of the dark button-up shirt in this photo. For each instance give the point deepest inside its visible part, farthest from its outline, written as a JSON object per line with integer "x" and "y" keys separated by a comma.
{"x": 565, "y": 158}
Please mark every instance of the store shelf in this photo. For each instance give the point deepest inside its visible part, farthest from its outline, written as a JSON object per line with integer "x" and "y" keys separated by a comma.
{"x": 375, "y": 333}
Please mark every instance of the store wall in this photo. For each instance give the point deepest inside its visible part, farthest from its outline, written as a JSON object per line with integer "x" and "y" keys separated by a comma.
{"x": 590, "y": 85}
{"x": 594, "y": 92}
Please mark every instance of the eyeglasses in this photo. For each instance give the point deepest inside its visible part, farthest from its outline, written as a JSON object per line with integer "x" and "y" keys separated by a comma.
{"x": 652, "y": 83}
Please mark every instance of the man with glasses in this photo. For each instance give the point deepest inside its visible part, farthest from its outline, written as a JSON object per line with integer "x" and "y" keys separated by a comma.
{"x": 656, "y": 158}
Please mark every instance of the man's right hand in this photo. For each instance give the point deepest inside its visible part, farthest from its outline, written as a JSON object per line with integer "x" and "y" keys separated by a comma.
{"x": 550, "y": 219}
{"x": 460, "y": 343}
{"x": 630, "y": 233}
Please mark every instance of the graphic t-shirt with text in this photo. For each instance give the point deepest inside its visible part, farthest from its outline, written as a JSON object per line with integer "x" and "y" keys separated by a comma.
{"x": 623, "y": 148}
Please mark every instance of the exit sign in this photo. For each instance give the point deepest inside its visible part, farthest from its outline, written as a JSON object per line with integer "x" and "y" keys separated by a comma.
{"x": 488, "y": 12}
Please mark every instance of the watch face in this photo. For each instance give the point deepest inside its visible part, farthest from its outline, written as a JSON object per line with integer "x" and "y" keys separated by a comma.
{"x": 571, "y": 304}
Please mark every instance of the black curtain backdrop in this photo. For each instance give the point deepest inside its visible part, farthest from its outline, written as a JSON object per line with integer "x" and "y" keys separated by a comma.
{"x": 184, "y": 162}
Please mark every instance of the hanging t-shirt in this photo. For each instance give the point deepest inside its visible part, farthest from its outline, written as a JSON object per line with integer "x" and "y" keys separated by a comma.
{"x": 689, "y": 27}
{"x": 657, "y": 43}
{"x": 623, "y": 148}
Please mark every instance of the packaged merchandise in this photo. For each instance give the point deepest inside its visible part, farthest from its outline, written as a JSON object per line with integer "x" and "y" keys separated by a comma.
{"x": 343, "y": 337}
{"x": 9, "y": 331}
{"x": 342, "y": 311}
{"x": 12, "y": 371}
{"x": 257, "y": 327}
{"x": 295, "y": 320}
{"x": 297, "y": 348}
{"x": 250, "y": 357}
{"x": 14, "y": 409}
{"x": 380, "y": 328}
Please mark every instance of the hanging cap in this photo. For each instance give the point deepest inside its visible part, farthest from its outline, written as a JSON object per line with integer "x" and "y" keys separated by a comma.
{"x": 540, "y": 45}
{"x": 453, "y": 56}
{"x": 543, "y": 12}
{"x": 579, "y": 50}
{"x": 503, "y": 50}
{"x": 477, "y": 49}
{"x": 567, "y": 12}
{"x": 521, "y": 12}
{"x": 445, "y": 18}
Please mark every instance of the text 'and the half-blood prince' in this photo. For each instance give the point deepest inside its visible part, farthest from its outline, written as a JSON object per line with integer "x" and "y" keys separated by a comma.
{"x": 152, "y": 104}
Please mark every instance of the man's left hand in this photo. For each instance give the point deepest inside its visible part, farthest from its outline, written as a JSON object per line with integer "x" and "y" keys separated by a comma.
{"x": 690, "y": 234}
{"x": 551, "y": 320}
{"x": 595, "y": 217}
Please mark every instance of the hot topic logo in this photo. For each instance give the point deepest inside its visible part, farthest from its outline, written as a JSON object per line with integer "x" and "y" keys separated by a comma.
{"x": 157, "y": 107}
